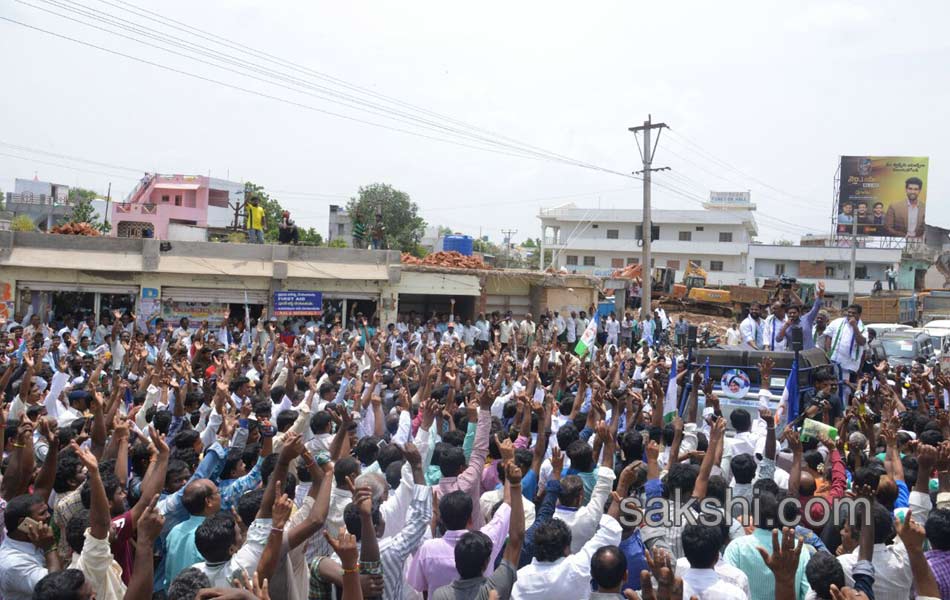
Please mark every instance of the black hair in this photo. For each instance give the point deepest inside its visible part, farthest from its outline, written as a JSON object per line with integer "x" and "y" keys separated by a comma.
{"x": 454, "y": 438}
{"x": 110, "y": 483}
{"x": 883, "y": 523}
{"x": 701, "y": 545}
{"x": 680, "y": 477}
{"x": 267, "y": 467}
{"x": 186, "y": 455}
{"x": 741, "y": 420}
{"x": 286, "y": 419}
{"x": 320, "y": 422}
{"x": 551, "y": 540}
{"x": 455, "y": 510}
{"x": 767, "y": 515}
{"x": 631, "y": 443}
{"x": 581, "y": 455}
{"x": 162, "y": 420}
{"x": 938, "y": 529}
{"x": 868, "y": 475}
{"x": 187, "y": 584}
{"x": 856, "y": 308}
{"x": 351, "y": 518}
{"x": 743, "y": 468}
{"x": 175, "y": 467}
{"x": 367, "y": 449}
{"x": 249, "y": 504}
{"x": 236, "y": 383}
{"x": 451, "y": 461}
{"x": 186, "y": 439}
{"x": 813, "y": 459}
{"x": 572, "y": 490}
{"x": 567, "y": 435}
{"x": 215, "y": 536}
{"x": 472, "y": 552}
{"x": 76, "y": 530}
{"x": 60, "y": 585}
{"x": 608, "y": 566}
{"x": 394, "y": 473}
{"x": 19, "y": 509}
{"x": 277, "y": 394}
{"x": 344, "y": 467}
{"x": 388, "y": 454}
{"x": 914, "y": 181}
{"x": 931, "y": 437}
{"x": 67, "y": 467}
{"x": 822, "y": 571}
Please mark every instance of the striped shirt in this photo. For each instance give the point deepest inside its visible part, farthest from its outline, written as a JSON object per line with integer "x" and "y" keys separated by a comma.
{"x": 394, "y": 550}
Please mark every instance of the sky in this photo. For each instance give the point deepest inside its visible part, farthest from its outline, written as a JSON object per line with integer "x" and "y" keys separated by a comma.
{"x": 470, "y": 103}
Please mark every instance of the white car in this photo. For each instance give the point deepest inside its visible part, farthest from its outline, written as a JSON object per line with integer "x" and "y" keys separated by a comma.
{"x": 882, "y": 328}
{"x": 939, "y": 335}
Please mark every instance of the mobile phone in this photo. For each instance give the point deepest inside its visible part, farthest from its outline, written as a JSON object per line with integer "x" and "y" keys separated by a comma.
{"x": 25, "y": 525}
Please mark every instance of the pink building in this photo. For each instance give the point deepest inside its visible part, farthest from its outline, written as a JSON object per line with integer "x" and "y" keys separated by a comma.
{"x": 176, "y": 207}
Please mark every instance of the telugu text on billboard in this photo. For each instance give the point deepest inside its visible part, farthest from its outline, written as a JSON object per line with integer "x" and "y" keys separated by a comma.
{"x": 296, "y": 303}
{"x": 883, "y": 195}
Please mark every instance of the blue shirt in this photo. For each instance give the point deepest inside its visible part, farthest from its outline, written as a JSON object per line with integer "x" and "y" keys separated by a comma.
{"x": 633, "y": 548}
{"x": 806, "y": 323}
{"x": 181, "y": 550}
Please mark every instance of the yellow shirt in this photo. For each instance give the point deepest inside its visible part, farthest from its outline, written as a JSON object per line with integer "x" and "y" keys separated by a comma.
{"x": 255, "y": 217}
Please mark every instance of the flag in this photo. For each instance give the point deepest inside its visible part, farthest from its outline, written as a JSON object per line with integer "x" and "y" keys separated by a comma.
{"x": 588, "y": 338}
{"x": 669, "y": 403}
{"x": 790, "y": 395}
{"x": 707, "y": 369}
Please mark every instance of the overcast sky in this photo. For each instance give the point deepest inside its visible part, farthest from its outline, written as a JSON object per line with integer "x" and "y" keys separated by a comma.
{"x": 761, "y": 96}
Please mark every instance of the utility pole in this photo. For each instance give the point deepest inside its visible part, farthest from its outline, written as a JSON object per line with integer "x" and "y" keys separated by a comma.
{"x": 108, "y": 200}
{"x": 508, "y": 233}
{"x": 854, "y": 255}
{"x": 646, "y": 153}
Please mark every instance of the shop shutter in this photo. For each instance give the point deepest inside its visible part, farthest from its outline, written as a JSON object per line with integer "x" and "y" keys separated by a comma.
{"x": 222, "y": 296}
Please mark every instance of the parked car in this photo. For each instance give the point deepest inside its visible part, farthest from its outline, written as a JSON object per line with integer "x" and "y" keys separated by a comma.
{"x": 882, "y": 328}
{"x": 940, "y": 336}
{"x": 904, "y": 348}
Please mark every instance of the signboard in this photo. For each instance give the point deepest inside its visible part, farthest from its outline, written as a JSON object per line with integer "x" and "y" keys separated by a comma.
{"x": 294, "y": 303}
{"x": 732, "y": 199}
{"x": 883, "y": 195}
{"x": 196, "y": 312}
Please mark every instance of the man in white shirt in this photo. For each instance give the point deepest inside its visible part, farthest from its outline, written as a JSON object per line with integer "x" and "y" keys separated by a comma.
{"x": 773, "y": 327}
{"x": 560, "y": 327}
{"x": 701, "y": 545}
{"x": 583, "y": 519}
{"x": 469, "y": 334}
{"x": 848, "y": 341}
{"x": 733, "y": 337}
{"x": 612, "y": 329}
{"x": 506, "y": 331}
{"x": 25, "y": 560}
{"x": 752, "y": 328}
{"x": 484, "y": 332}
{"x": 526, "y": 331}
{"x": 571, "y": 323}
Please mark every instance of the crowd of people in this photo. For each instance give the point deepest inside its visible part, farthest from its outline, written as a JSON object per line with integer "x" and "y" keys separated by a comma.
{"x": 335, "y": 457}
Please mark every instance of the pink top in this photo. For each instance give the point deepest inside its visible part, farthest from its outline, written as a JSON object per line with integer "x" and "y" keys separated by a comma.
{"x": 470, "y": 480}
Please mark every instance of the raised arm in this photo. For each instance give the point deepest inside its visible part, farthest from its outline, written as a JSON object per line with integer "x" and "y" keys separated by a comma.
{"x": 705, "y": 470}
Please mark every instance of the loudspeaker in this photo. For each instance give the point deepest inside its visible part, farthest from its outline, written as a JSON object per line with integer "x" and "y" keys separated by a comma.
{"x": 797, "y": 341}
{"x": 691, "y": 336}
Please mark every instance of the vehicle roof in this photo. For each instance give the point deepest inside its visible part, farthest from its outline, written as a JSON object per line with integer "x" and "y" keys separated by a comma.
{"x": 938, "y": 323}
{"x": 936, "y": 331}
{"x": 896, "y": 326}
{"x": 904, "y": 334}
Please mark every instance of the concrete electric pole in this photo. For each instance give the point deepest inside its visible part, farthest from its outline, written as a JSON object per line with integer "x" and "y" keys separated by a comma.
{"x": 508, "y": 233}
{"x": 646, "y": 153}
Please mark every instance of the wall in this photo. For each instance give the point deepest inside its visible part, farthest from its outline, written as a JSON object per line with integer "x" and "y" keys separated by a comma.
{"x": 565, "y": 300}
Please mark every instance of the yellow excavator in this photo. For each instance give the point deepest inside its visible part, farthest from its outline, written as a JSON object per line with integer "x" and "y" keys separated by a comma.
{"x": 692, "y": 294}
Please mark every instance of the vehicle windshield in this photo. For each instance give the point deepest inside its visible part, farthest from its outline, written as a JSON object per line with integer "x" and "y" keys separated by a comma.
{"x": 899, "y": 348}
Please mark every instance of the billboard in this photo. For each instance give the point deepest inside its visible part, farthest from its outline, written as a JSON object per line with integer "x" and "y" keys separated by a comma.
{"x": 884, "y": 195}
{"x": 296, "y": 303}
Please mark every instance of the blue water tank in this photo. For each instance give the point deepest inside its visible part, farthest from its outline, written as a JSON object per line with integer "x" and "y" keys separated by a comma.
{"x": 459, "y": 243}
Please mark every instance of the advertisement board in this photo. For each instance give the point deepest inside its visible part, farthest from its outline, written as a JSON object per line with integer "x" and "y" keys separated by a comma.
{"x": 196, "y": 312}
{"x": 292, "y": 303}
{"x": 884, "y": 195}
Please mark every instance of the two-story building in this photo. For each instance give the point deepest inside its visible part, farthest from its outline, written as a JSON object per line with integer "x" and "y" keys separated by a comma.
{"x": 185, "y": 207}
{"x": 600, "y": 241}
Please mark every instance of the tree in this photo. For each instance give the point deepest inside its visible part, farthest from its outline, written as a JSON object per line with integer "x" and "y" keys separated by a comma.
{"x": 529, "y": 243}
{"x": 399, "y": 215}
{"x": 22, "y": 223}
{"x": 337, "y": 243}
{"x": 273, "y": 212}
{"x": 444, "y": 231}
{"x": 784, "y": 243}
{"x": 83, "y": 211}
{"x": 310, "y": 237}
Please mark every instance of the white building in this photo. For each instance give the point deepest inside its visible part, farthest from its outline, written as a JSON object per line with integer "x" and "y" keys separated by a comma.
{"x": 600, "y": 241}
{"x": 831, "y": 264}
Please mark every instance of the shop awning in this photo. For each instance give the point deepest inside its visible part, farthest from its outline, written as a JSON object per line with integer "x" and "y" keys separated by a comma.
{"x": 53, "y": 286}
{"x": 220, "y": 296}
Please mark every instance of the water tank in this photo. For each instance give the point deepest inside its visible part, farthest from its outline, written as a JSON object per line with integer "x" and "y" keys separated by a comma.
{"x": 459, "y": 243}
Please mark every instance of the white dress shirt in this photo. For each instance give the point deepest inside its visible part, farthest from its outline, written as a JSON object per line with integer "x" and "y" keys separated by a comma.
{"x": 21, "y": 567}
{"x": 706, "y": 584}
{"x": 773, "y": 326}
{"x": 724, "y": 570}
{"x": 100, "y": 568}
{"x": 583, "y": 521}
{"x": 752, "y": 331}
{"x": 566, "y": 578}
{"x": 892, "y": 575}
{"x": 844, "y": 348}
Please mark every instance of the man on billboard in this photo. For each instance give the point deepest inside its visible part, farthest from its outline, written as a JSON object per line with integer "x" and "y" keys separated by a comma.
{"x": 877, "y": 214}
{"x": 906, "y": 219}
{"x": 846, "y": 216}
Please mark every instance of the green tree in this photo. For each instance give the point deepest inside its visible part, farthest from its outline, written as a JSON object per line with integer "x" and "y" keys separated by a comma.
{"x": 444, "y": 231}
{"x": 398, "y": 214}
{"x": 83, "y": 211}
{"x": 22, "y": 223}
{"x": 310, "y": 237}
{"x": 273, "y": 212}
{"x": 529, "y": 243}
{"x": 337, "y": 243}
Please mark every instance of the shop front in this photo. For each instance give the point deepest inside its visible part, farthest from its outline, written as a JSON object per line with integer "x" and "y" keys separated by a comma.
{"x": 213, "y": 305}
{"x": 78, "y": 299}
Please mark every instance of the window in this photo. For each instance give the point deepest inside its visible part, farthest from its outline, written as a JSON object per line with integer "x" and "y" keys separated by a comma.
{"x": 830, "y": 272}
{"x": 572, "y": 260}
{"x": 696, "y": 262}
{"x": 616, "y": 263}
{"x": 633, "y": 261}
{"x": 860, "y": 271}
{"x": 715, "y": 265}
{"x": 700, "y": 228}
{"x": 654, "y": 232}
{"x": 595, "y": 226}
{"x": 673, "y": 264}
{"x": 685, "y": 236}
{"x": 164, "y": 198}
{"x": 725, "y": 236}
{"x": 780, "y": 268}
{"x": 589, "y": 261}
{"x": 652, "y": 262}
{"x": 177, "y": 199}
{"x": 340, "y": 228}
{"x": 613, "y": 234}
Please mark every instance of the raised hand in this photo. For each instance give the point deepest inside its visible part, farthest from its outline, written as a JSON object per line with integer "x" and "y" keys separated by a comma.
{"x": 151, "y": 522}
{"x": 783, "y": 562}
{"x": 345, "y": 547}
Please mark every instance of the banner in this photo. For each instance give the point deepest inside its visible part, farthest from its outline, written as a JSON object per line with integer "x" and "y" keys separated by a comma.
{"x": 884, "y": 195}
{"x": 296, "y": 303}
{"x": 196, "y": 312}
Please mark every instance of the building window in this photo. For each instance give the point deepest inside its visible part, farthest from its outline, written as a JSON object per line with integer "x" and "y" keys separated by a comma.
{"x": 340, "y": 228}
{"x": 685, "y": 236}
{"x": 616, "y": 263}
{"x": 715, "y": 265}
{"x": 780, "y": 268}
{"x": 673, "y": 264}
{"x": 652, "y": 262}
{"x": 860, "y": 271}
{"x": 595, "y": 226}
{"x": 613, "y": 234}
{"x": 654, "y": 232}
{"x": 697, "y": 263}
{"x": 572, "y": 260}
{"x": 589, "y": 261}
{"x": 165, "y": 198}
{"x": 830, "y": 272}
{"x": 177, "y": 199}
{"x": 633, "y": 261}
{"x": 725, "y": 236}
{"x": 700, "y": 228}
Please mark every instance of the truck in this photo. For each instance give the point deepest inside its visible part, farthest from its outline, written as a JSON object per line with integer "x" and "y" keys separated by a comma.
{"x": 934, "y": 305}
{"x": 889, "y": 309}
